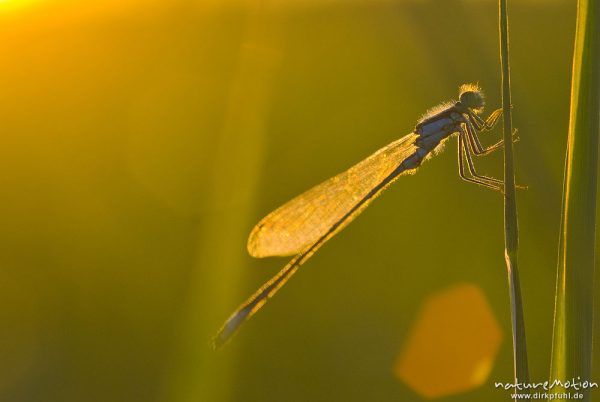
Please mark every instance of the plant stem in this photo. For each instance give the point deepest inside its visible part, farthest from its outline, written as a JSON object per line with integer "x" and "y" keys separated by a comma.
{"x": 511, "y": 229}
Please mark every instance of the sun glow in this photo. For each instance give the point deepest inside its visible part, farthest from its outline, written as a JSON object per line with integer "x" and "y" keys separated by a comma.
{"x": 9, "y": 5}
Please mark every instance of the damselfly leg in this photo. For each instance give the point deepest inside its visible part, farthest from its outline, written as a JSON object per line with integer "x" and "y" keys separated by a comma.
{"x": 468, "y": 144}
{"x": 473, "y": 138}
{"x": 487, "y": 124}
{"x": 474, "y": 142}
{"x": 463, "y": 152}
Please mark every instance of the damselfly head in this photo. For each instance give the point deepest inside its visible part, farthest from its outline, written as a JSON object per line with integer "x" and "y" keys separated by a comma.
{"x": 472, "y": 97}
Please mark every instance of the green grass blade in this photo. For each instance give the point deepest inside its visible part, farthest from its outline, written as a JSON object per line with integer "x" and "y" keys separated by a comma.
{"x": 572, "y": 341}
{"x": 511, "y": 229}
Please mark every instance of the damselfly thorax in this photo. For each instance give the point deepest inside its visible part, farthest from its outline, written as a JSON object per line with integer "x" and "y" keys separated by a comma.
{"x": 305, "y": 223}
{"x": 460, "y": 118}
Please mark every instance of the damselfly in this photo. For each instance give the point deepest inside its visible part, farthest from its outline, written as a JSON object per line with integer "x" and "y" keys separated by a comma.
{"x": 305, "y": 223}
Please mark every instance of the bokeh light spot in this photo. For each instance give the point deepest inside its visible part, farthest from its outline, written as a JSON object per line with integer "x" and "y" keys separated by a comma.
{"x": 452, "y": 346}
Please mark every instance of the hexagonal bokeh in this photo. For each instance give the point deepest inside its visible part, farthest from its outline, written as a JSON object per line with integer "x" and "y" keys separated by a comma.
{"x": 452, "y": 346}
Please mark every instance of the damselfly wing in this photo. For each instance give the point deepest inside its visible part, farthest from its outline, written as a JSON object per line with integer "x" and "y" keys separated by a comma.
{"x": 296, "y": 225}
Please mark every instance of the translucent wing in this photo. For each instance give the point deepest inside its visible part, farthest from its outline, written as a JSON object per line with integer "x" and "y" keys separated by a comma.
{"x": 293, "y": 227}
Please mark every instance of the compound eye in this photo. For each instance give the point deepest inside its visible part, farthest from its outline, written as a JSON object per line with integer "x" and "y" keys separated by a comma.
{"x": 472, "y": 100}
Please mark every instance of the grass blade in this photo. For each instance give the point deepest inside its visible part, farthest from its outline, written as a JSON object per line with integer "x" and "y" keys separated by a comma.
{"x": 573, "y": 315}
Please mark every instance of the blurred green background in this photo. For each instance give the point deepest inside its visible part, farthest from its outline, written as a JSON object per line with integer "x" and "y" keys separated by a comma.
{"x": 143, "y": 139}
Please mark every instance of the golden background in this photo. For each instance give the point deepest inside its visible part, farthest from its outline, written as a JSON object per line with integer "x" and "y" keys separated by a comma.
{"x": 142, "y": 140}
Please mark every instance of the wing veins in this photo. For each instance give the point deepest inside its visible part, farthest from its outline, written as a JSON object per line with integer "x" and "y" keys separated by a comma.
{"x": 300, "y": 222}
